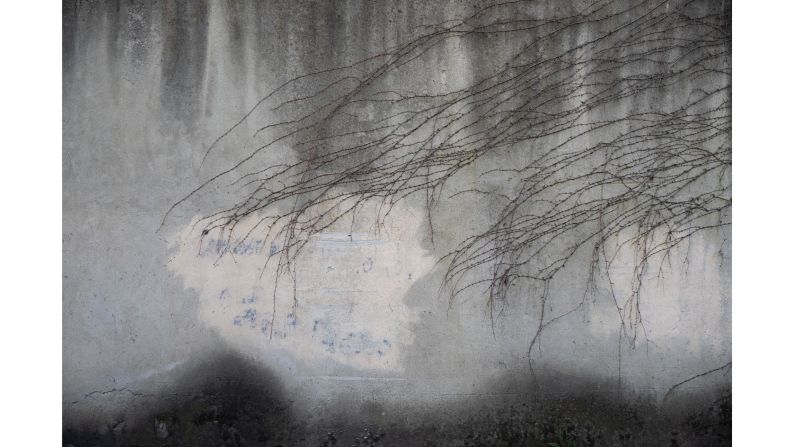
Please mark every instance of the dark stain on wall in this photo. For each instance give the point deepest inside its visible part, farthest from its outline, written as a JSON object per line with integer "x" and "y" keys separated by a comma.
{"x": 229, "y": 400}
{"x": 515, "y": 410}
{"x": 224, "y": 400}
{"x": 68, "y": 33}
{"x": 185, "y": 29}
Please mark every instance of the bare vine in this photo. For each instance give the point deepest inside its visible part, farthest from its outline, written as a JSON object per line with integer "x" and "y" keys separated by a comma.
{"x": 620, "y": 110}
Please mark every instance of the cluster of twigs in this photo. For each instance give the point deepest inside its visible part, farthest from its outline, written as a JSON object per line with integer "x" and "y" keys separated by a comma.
{"x": 620, "y": 112}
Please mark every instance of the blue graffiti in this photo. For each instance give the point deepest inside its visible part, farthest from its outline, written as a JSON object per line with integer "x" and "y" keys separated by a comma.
{"x": 218, "y": 247}
{"x": 350, "y": 343}
{"x": 367, "y": 266}
{"x": 249, "y": 315}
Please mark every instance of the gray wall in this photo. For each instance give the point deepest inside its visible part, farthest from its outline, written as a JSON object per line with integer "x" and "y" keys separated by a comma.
{"x": 148, "y": 86}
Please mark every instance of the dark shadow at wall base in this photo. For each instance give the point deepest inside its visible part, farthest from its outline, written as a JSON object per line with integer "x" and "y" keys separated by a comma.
{"x": 225, "y": 401}
{"x": 570, "y": 421}
{"x": 589, "y": 421}
{"x": 230, "y": 401}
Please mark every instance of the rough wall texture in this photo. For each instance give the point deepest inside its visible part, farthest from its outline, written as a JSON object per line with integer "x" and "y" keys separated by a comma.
{"x": 176, "y": 332}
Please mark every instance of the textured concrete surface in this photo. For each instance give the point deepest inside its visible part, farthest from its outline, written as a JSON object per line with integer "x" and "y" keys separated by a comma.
{"x": 155, "y": 324}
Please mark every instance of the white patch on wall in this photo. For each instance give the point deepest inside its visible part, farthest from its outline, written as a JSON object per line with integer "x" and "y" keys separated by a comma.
{"x": 344, "y": 303}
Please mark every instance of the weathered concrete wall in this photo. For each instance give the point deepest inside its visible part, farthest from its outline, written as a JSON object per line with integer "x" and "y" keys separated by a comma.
{"x": 372, "y": 338}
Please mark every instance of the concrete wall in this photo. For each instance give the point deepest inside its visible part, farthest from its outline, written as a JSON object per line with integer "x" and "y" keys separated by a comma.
{"x": 372, "y": 337}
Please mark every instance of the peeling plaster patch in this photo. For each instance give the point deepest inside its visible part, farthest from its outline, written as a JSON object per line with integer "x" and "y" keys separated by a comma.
{"x": 345, "y": 302}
